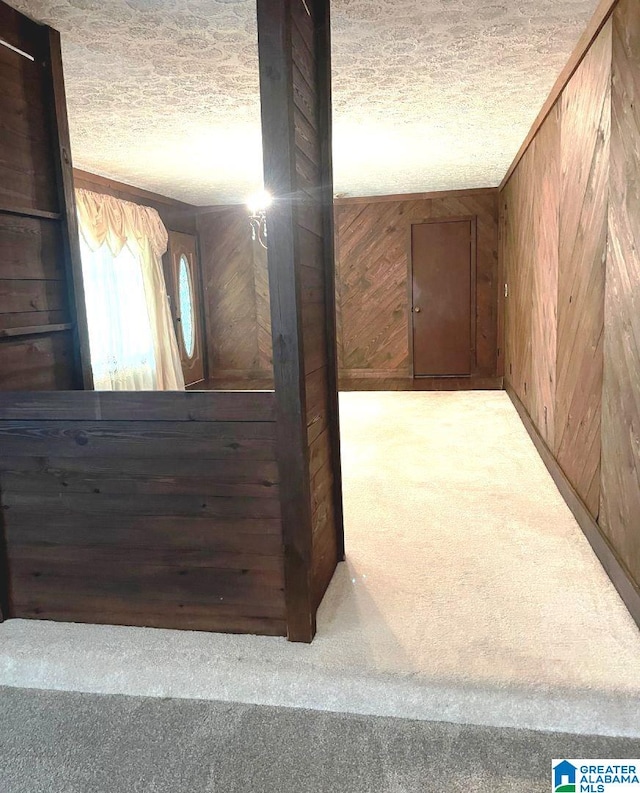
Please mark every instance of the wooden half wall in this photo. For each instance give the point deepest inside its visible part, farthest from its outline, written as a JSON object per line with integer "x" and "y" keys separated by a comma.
{"x": 569, "y": 240}
{"x": 154, "y": 509}
{"x": 295, "y": 84}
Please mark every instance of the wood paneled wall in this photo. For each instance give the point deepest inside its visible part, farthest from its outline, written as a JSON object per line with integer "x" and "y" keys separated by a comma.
{"x": 531, "y": 232}
{"x": 570, "y": 233}
{"x": 155, "y": 509}
{"x": 586, "y": 120}
{"x": 372, "y": 242}
{"x": 295, "y": 77}
{"x": 554, "y": 220}
{"x": 43, "y": 334}
{"x": 620, "y": 497}
{"x": 373, "y": 274}
{"x": 236, "y": 296}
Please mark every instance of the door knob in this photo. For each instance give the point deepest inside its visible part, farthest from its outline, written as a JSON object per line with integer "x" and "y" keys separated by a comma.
{"x": 417, "y": 309}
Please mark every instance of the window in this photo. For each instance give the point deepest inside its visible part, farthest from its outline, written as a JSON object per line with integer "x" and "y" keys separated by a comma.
{"x": 185, "y": 291}
{"x": 132, "y": 339}
{"x": 120, "y": 336}
{"x": 183, "y": 281}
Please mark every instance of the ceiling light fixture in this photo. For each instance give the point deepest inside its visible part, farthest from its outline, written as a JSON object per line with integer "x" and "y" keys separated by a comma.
{"x": 257, "y": 206}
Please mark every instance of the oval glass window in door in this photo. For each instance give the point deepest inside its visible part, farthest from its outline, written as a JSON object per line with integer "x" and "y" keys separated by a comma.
{"x": 185, "y": 296}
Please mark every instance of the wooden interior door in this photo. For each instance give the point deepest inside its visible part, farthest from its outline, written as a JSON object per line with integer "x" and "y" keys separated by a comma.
{"x": 43, "y": 328}
{"x": 185, "y": 296}
{"x": 442, "y": 298}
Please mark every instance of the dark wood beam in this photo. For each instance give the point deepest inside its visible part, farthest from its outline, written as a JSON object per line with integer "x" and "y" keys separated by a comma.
{"x": 276, "y": 89}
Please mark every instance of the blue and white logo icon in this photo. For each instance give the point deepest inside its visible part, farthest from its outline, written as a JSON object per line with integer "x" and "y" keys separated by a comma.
{"x": 564, "y": 777}
{"x": 595, "y": 776}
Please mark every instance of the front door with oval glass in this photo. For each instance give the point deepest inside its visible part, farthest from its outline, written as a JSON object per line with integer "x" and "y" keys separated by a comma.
{"x": 184, "y": 287}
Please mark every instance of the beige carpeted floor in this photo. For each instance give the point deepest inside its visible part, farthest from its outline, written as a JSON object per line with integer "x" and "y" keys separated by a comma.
{"x": 469, "y": 595}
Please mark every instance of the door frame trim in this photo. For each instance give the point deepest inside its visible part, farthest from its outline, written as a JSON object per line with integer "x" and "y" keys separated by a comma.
{"x": 418, "y": 221}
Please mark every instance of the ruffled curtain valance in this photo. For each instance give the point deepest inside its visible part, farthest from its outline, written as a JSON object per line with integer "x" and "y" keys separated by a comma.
{"x": 107, "y": 225}
{"x": 104, "y": 219}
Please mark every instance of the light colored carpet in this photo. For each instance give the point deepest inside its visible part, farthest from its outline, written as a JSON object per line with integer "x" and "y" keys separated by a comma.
{"x": 59, "y": 742}
{"x": 469, "y": 595}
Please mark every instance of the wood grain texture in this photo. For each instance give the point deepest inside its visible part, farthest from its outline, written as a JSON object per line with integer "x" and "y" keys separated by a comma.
{"x": 62, "y": 160}
{"x": 230, "y": 406}
{"x": 553, "y": 235}
{"x": 37, "y": 363}
{"x": 294, "y": 51}
{"x": 545, "y": 240}
{"x": 597, "y": 412}
{"x": 616, "y": 569}
{"x": 236, "y": 296}
{"x": 516, "y": 216}
{"x": 311, "y": 48}
{"x": 620, "y": 498}
{"x": 381, "y": 383}
{"x": 123, "y": 510}
{"x": 27, "y": 165}
{"x": 586, "y": 119}
{"x": 599, "y": 19}
{"x": 372, "y": 294}
{"x": 531, "y": 217}
{"x": 37, "y": 280}
{"x": 263, "y": 311}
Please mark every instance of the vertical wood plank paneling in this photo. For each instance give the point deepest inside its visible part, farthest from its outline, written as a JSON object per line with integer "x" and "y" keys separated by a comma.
{"x": 620, "y": 479}
{"x": 293, "y": 39}
{"x": 55, "y": 89}
{"x": 317, "y": 311}
{"x": 332, "y": 538}
{"x": 586, "y": 117}
{"x": 276, "y": 92}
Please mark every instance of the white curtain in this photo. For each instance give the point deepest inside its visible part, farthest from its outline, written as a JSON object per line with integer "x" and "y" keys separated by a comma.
{"x": 131, "y": 334}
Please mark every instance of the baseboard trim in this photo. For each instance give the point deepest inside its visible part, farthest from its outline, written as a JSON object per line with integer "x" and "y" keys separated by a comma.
{"x": 374, "y": 374}
{"x": 240, "y": 374}
{"x": 613, "y": 566}
{"x": 355, "y": 382}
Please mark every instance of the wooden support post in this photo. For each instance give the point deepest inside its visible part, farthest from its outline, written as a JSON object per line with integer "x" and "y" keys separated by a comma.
{"x": 294, "y": 49}
{"x": 67, "y": 207}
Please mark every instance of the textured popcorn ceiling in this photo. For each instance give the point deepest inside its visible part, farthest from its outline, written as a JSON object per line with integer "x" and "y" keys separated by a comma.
{"x": 428, "y": 94}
